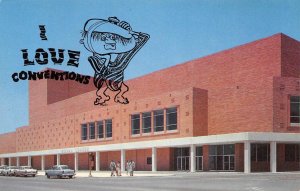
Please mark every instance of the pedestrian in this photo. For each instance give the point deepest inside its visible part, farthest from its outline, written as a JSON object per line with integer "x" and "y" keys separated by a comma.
{"x": 127, "y": 167}
{"x": 132, "y": 167}
{"x": 112, "y": 167}
{"x": 118, "y": 168}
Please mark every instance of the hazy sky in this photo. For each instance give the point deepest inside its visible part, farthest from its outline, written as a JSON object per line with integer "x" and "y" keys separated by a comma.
{"x": 180, "y": 30}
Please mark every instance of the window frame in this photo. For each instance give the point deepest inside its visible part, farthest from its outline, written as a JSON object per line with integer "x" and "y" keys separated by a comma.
{"x": 167, "y": 118}
{"x": 135, "y": 120}
{"x": 143, "y": 122}
{"x": 86, "y": 129}
{"x": 106, "y": 128}
{"x": 98, "y": 131}
{"x": 293, "y": 124}
{"x": 90, "y": 131}
{"x": 154, "y": 120}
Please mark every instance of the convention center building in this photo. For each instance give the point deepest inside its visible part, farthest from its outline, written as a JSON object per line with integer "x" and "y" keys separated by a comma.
{"x": 235, "y": 110}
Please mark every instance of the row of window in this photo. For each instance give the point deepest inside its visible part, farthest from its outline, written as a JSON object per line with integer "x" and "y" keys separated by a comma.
{"x": 261, "y": 152}
{"x": 99, "y": 129}
{"x": 143, "y": 122}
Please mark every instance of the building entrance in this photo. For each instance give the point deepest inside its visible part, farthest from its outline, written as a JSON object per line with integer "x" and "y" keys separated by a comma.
{"x": 182, "y": 157}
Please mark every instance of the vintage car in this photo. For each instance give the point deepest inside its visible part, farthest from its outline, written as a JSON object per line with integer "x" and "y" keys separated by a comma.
{"x": 60, "y": 171}
{"x": 26, "y": 171}
{"x": 10, "y": 170}
{"x": 2, "y": 169}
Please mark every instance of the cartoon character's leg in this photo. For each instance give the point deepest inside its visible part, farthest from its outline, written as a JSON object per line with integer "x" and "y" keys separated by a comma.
{"x": 120, "y": 95}
{"x": 102, "y": 97}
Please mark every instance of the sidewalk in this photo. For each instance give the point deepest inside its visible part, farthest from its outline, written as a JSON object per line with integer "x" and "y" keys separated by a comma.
{"x": 85, "y": 173}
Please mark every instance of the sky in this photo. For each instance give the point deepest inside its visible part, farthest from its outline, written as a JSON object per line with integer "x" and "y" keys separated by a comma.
{"x": 180, "y": 31}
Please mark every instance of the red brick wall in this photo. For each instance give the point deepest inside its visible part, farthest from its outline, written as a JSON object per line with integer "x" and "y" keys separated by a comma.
{"x": 50, "y": 160}
{"x": 140, "y": 158}
{"x": 284, "y": 87}
{"x": 290, "y": 57}
{"x": 205, "y": 150}
{"x": 36, "y": 162}
{"x": 8, "y": 143}
{"x": 23, "y": 161}
{"x": 200, "y": 112}
{"x": 239, "y": 157}
{"x": 68, "y": 159}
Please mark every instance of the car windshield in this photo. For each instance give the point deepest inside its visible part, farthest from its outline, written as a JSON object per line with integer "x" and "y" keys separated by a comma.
{"x": 64, "y": 167}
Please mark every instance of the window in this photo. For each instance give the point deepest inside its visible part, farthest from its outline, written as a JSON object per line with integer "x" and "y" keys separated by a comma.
{"x": 171, "y": 118}
{"x": 146, "y": 122}
{"x": 221, "y": 157}
{"x": 292, "y": 152}
{"x": 158, "y": 120}
{"x": 92, "y": 130}
{"x": 260, "y": 152}
{"x": 83, "y": 132}
{"x": 199, "y": 158}
{"x": 100, "y": 129}
{"x": 149, "y": 160}
{"x": 199, "y": 151}
{"x": 135, "y": 124}
{"x": 108, "y": 128}
{"x": 295, "y": 110}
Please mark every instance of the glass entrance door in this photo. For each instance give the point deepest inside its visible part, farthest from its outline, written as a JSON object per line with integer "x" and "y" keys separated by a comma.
{"x": 183, "y": 163}
{"x": 182, "y": 159}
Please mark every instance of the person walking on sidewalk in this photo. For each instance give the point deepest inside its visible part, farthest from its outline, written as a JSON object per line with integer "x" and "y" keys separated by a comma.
{"x": 127, "y": 167}
{"x": 118, "y": 169}
{"x": 112, "y": 167}
{"x": 131, "y": 167}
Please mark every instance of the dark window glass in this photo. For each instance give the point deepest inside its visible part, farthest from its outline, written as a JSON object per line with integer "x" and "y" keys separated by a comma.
{"x": 92, "y": 130}
{"x": 158, "y": 120}
{"x": 171, "y": 118}
{"x": 100, "y": 129}
{"x": 108, "y": 128}
{"x": 292, "y": 152}
{"x": 220, "y": 150}
{"x": 146, "y": 122}
{"x": 221, "y": 157}
{"x": 229, "y": 149}
{"x": 213, "y": 150}
{"x": 253, "y": 152}
{"x": 149, "y": 160}
{"x": 199, "y": 151}
{"x": 83, "y": 132}
{"x": 260, "y": 152}
{"x": 182, "y": 151}
{"x": 135, "y": 124}
{"x": 295, "y": 109}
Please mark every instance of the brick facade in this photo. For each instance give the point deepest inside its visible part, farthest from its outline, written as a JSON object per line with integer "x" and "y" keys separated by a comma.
{"x": 243, "y": 89}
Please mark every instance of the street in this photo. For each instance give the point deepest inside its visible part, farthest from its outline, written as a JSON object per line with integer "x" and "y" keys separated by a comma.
{"x": 178, "y": 182}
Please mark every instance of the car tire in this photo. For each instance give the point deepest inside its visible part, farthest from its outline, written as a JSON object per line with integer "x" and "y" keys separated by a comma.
{"x": 33, "y": 175}
{"x": 47, "y": 176}
{"x": 70, "y": 177}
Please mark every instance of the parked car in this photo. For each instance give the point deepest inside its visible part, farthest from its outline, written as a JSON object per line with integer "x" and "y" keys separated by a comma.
{"x": 2, "y": 169}
{"x": 60, "y": 171}
{"x": 10, "y": 170}
{"x": 26, "y": 171}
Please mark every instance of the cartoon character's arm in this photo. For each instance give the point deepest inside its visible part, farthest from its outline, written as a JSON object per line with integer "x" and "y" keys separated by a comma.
{"x": 98, "y": 63}
{"x": 124, "y": 59}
